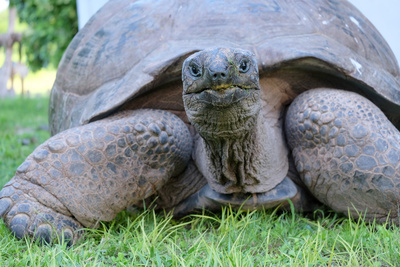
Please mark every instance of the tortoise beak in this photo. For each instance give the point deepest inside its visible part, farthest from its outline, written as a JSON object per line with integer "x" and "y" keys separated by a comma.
{"x": 225, "y": 96}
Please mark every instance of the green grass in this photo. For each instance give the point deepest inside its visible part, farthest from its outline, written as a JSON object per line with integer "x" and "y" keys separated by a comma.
{"x": 262, "y": 238}
{"x": 19, "y": 121}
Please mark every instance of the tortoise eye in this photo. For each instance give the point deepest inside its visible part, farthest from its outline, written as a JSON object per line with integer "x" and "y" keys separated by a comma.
{"x": 244, "y": 65}
{"x": 195, "y": 70}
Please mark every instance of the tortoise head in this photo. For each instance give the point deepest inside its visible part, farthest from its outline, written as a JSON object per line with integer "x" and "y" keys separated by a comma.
{"x": 221, "y": 95}
{"x": 221, "y": 92}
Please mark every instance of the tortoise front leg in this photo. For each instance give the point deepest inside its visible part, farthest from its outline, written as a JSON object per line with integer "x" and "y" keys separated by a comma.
{"x": 347, "y": 152}
{"x": 90, "y": 173}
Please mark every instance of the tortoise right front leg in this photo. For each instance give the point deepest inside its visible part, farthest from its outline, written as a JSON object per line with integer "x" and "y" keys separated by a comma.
{"x": 90, "y": 173}
{"x": 347, "y": 153}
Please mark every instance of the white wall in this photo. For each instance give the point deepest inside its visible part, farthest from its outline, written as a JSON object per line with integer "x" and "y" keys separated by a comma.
{"x": 87, "y": 8}
{"x": 3, "y": 4}
{"x": 384, "y": 14}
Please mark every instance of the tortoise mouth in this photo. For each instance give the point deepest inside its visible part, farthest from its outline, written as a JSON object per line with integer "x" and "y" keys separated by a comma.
{"x": 223, "y": 96}
{"x": 225, "y": 112}
{"x": 220, "y": 88}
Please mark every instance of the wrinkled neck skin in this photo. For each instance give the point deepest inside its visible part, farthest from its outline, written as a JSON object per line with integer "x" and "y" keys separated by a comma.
{"x": 233, "y": 142}
{"x": 234, "y": 160}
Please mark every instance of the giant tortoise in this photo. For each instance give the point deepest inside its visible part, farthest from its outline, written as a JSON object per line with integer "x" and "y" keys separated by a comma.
{"x": 200, "y": 104}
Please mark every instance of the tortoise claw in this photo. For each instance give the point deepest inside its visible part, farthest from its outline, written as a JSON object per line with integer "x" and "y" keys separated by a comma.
{"x": 43, "y": 234}
{"x": 5, "y": 204}
{"x": 19, "y": 225}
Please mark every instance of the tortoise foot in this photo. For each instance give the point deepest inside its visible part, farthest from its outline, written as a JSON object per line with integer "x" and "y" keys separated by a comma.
{"x": 25, "y": 216}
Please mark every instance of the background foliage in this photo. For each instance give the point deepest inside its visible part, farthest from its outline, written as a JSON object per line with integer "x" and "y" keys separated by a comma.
{"x": 18, "y": 27}
{"x": 52, "y": 25}
{"x": 36, "y": 83}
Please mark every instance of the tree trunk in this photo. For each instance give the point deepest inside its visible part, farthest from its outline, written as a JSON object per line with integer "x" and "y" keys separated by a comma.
{"x": 9, "y": 40}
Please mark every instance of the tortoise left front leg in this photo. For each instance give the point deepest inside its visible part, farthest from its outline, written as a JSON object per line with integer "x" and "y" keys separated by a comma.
{"x": 347, "y": 152}
{"x": 90, "y": 173}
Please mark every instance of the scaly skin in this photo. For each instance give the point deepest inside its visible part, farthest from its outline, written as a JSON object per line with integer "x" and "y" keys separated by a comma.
{"x": 346, "y": 151}
{"x": 90, "y": 173}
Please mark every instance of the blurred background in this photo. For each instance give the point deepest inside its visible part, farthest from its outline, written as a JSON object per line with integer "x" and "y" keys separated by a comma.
{"x": 34, "y": 74}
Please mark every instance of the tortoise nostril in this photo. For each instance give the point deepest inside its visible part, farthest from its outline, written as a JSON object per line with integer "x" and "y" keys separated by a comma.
{"x": 218, "y": 71}
{"x": 219, "y": 76}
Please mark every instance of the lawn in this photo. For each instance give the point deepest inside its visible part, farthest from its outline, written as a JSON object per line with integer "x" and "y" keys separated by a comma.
{"x": 146, "y": 238}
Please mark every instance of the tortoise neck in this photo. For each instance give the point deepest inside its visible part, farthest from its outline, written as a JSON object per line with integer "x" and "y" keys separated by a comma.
{"x": 234, "y": 161}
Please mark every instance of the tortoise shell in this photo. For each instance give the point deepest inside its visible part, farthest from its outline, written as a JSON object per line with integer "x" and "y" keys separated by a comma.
{"x": 131, "y": 49}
